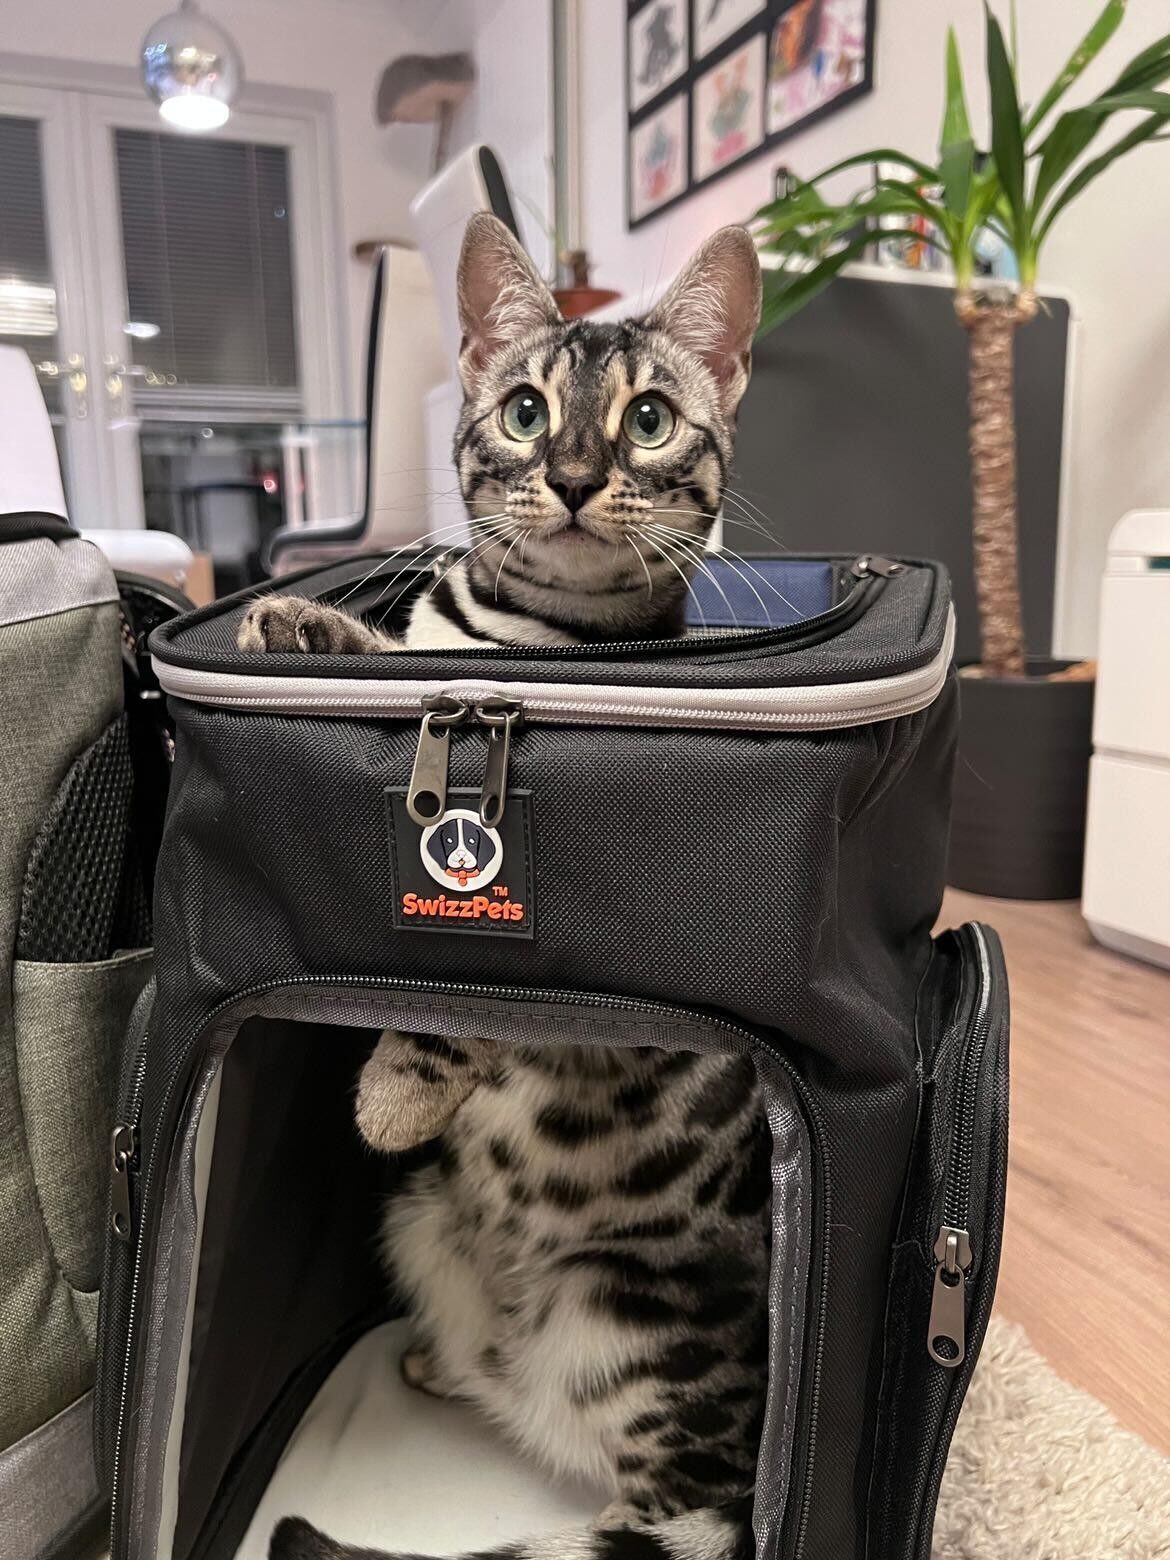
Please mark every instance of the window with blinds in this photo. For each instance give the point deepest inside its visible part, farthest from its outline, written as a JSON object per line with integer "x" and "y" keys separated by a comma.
{"x": 209, "y": 275}
{"x": 28, "y": 299}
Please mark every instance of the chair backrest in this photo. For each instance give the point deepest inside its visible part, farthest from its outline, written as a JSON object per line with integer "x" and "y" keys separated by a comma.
{"x": 473, "y": 181}
{"x": 30, "y": 476}
{"x": 407, "y": 358}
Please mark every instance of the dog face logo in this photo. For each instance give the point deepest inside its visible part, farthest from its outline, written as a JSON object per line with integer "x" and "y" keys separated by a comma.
{"x": 460, "y": 852}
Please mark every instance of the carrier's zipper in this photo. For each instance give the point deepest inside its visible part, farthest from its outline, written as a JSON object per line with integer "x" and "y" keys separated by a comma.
{"x": 818, "y": 706}
{"x": 499, "y": 716}
{"x": 426, "y": 796}
{"x": 507, "y": 994}
{"x": 873, "y": 563}
{"x": 868, "y": 578}
{"x": 954, "y": 1257}
{"x": 124, "y": 1156}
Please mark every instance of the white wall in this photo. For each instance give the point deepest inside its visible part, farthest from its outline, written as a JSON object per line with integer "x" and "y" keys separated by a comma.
{"x": 512, "y": 109}
{"x": 1110, "y": 252}
{"x": 337, "y": 47}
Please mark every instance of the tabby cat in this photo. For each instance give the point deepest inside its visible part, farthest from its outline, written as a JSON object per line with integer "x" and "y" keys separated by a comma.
{"x": 585, "y": 1256}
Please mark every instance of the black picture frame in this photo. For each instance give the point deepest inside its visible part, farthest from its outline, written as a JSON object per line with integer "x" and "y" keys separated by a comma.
{"x": 685, "y": 82}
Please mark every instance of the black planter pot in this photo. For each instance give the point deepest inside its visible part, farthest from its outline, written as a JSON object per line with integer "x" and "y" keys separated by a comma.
{"x": 1018, "y": 824}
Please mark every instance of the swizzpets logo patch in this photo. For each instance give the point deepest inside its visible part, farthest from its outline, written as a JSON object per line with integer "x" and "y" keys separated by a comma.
{"x": 458, "y": 875}
{"x": 461, "y": 850}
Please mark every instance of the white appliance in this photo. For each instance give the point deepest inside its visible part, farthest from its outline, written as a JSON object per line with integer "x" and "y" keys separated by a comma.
{"x": 1127, "y": 849}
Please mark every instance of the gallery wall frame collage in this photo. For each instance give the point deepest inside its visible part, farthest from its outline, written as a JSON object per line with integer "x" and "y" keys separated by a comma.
{"x": 713, "y": 83}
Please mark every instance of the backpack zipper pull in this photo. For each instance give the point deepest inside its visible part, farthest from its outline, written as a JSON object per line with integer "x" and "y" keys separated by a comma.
{"x": 124, "y": 1151}
{"x": 499, "y": 716}
{"x": 426, "y": 796}
{"x": 946, "y": 1337}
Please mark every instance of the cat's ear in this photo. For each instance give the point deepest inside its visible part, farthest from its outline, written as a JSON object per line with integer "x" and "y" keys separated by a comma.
{"x": 713, "y": 307}
{"x": 501, "y": 294}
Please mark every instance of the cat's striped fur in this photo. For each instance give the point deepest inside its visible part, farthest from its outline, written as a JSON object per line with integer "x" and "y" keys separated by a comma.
{"x": 585, "y": 1258}
{"x": 580, "y": 534}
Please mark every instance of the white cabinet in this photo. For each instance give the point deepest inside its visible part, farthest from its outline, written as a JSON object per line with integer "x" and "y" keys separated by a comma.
{"x": 1127, "y": 851}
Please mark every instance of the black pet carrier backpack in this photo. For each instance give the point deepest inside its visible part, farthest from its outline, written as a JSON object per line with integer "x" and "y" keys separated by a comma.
{"x": 734, "y": 840}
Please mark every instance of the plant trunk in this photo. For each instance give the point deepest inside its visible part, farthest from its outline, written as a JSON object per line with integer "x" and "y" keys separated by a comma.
{"x": 991, "y": 329}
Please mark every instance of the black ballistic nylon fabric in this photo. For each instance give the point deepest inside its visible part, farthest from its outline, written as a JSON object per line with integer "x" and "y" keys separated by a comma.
{"x": 788, "y": 883}
{"x": 901, "y": 629}
{"x": 785, "y": 882}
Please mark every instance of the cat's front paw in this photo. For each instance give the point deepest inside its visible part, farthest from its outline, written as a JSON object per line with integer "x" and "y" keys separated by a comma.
{"x": 412, "y": 1085}
{"x": 419, "y": 1370}
{"x": 292, "y": 625}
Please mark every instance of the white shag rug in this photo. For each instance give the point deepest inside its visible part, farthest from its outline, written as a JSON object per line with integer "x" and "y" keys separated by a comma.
{"x": 1041, "y": 1471}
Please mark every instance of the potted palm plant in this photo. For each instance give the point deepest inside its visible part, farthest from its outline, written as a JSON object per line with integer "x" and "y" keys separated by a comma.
{"x": 1025, "y": 736}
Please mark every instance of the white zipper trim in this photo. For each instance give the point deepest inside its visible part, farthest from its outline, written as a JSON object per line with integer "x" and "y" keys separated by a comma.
{"x": 822, "y": 707}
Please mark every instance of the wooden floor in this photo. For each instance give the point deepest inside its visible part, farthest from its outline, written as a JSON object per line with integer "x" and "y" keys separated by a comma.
{"x": 1086, "y": 1261}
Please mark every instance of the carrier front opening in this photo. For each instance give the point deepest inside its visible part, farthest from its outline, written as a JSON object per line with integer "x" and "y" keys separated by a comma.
{"x": 276, "y": 1332}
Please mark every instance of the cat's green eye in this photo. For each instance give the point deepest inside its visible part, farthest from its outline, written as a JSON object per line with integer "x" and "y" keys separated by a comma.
{"x": 648, "y": 421}
{"x": 525, "y": 415}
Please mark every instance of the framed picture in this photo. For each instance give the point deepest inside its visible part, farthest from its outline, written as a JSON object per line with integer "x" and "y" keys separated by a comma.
{"x": 658, "y": 159}
{"x": 818, "y": 52}
{"x": 712, "y": 82}
{"x": 716, "y": 20}
{"x": 729, "y": 109}
{"x": 657, "y": 50}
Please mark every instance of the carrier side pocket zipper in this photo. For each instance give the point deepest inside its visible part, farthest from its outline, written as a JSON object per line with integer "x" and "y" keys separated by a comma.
{"x": 954, "y": 1256}
{"x": 946, "y": 1338}
{"x": 124, "y": 1153}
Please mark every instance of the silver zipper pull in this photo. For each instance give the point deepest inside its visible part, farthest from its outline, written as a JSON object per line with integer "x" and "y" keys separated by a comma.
{"x": 426, "y": 796}
{"x": 946, "y": 1337}
{"x": 874, "y": 563}
{"x": 124, "y": 1151}
{"x": 499, "y": 716}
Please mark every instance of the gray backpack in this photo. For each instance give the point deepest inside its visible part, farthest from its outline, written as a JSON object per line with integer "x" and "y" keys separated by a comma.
{"x": 82, "y": 775}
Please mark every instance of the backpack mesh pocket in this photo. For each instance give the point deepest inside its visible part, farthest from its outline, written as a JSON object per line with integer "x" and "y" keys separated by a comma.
{"x": 83, "y": 896}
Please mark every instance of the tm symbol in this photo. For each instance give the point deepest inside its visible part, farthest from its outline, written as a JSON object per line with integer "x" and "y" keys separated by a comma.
{"x": 500, "y": 891}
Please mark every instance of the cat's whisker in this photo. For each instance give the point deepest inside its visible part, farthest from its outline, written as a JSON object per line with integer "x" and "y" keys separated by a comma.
{"x": 742, "y": 515}
{"x": 633, "y": 546}
{"x": 727, "y": 554}
{"x": 731, "y": 553}
{"x": 496, "y": 526}
{"x": 690, "y": 590}
{"x": 418, "y": 544}
{"x": 465, "y": 561}
{"x": 751, "y": 504}
{"x": 519, "y": 536}
{"x": 768, "y": 528}
{"x": 699, "y": 563}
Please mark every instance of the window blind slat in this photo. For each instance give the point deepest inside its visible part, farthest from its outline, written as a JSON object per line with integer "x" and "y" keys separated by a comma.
{"x": 208, "y": 254}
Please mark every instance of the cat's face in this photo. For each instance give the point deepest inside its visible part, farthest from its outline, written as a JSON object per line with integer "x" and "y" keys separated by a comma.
{"x": 593, "y": 457}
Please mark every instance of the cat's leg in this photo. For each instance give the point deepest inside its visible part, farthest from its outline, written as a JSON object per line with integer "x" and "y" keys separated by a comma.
{"x": 413, "y": 1084}
{"x": 292, "y": 625}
